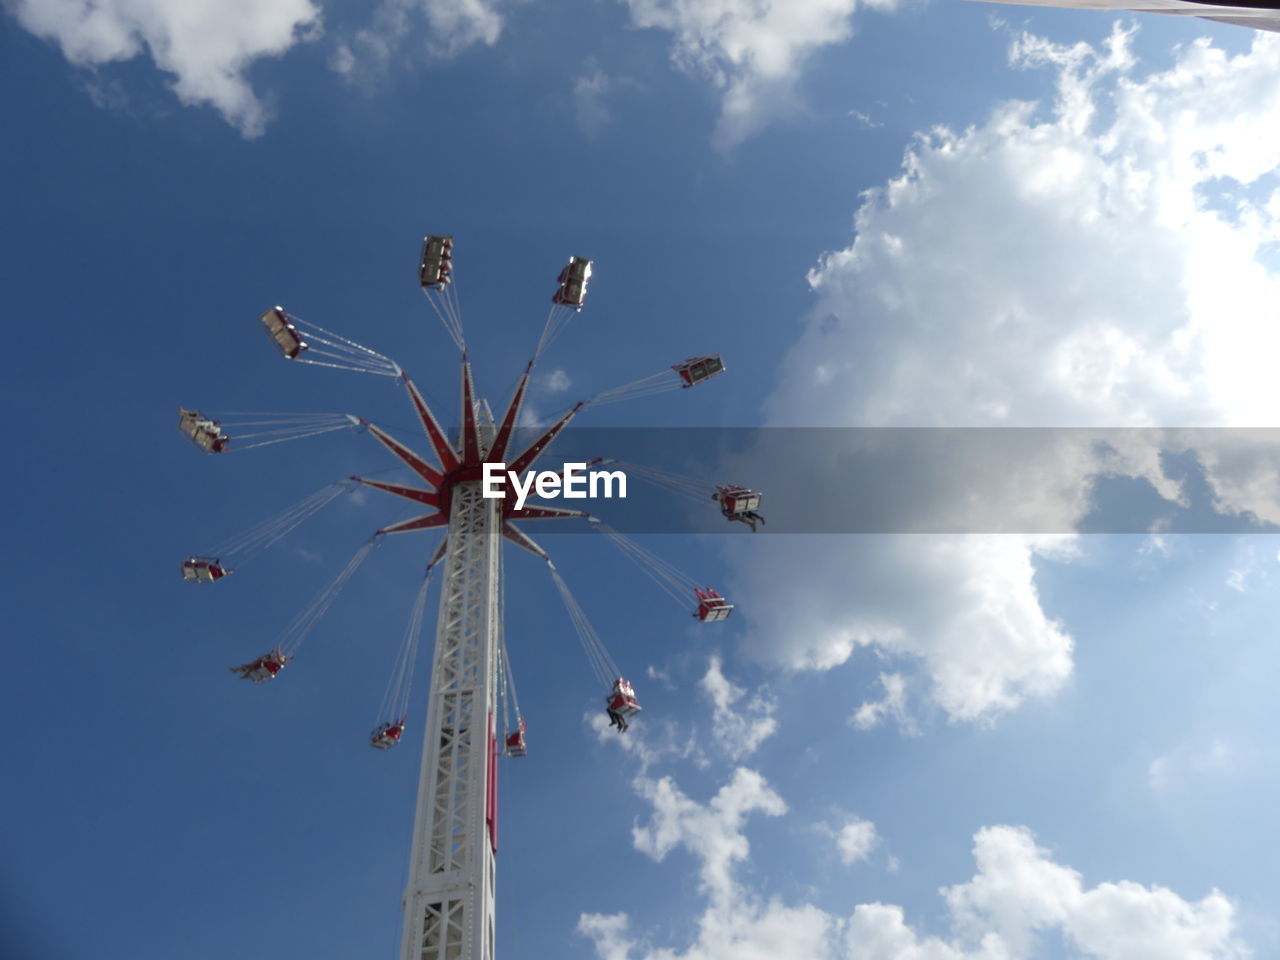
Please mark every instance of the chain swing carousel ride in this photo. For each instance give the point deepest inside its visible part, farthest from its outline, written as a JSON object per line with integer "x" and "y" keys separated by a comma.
{"x": 473, "y": 711}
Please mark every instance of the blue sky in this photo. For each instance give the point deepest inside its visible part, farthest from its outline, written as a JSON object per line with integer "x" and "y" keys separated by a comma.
{"x": 914, "y": 214}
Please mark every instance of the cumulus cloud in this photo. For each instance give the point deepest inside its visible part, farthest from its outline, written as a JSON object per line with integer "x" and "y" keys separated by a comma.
{"x": 1018, "y": 897}
{"x": 964, "y": 610}
{"x": 1047, "y": 268}
{"x": 207, "y": 45}
{"x": 451, "y": 27}
{"x": 738, "y": 726}
{"x": 733, "y": 925}
{"x": 711, "y": 831}
{"x": 1060, "y": 264}
{"x": 751, "y": 50}
{"x": 1242, "y": 470}
{"x": 855, "y": 840}
{"x": 1019, "y": 892}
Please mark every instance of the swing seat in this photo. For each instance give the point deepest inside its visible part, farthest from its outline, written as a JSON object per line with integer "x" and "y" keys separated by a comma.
{"x": 203, "y": 570}
{"x": 386, "y": 735}
{"x": 203, "y": 432}
{"x": 436, "y": 266}
{"x": 697, "y": 369}
{"x": 712, "y": 606}
{"x": 573, "y": 283}
{"x": 735, "y": 501}
{"x": 285, "y": 335}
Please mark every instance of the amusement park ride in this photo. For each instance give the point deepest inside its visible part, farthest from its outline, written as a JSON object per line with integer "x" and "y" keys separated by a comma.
{"x": 449, "y": 901}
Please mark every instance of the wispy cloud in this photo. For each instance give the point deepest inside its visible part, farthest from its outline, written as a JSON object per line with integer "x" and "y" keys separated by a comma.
{"x": 557, "y": 381}
{"x": 892, "y": 706}
{"x": 1189, "y": 762}
{"x": 207, "y": 46}
{"x": 865, "y": 119}
{"x": 753, "y": 52}
{"x": 409, "y": 30}
{"x": 590, "y": 101}
{"x": 739, "y": 723}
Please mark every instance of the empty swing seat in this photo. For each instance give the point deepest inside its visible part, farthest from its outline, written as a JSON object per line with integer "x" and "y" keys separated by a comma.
{"x": 282, "y": 331}
{"x": 572, "y": 291}
{"x": 436, "y": 266}
{"x": 712, "y": 606}
{"x": 515, "y": 744}
{"x": 697, "y": 369}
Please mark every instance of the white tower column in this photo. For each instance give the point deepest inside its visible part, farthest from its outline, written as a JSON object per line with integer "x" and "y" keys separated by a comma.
{"x": 449, "y": 903}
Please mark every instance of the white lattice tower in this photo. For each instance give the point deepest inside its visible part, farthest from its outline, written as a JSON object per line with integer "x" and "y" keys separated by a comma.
{"x": 449, "y": 902}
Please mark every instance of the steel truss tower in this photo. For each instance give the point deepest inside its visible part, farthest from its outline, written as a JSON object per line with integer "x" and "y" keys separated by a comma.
{"x": 449, "y": 902}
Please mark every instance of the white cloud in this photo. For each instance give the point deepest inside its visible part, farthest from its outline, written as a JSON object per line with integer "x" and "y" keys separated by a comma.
{"x": 1058, "y": 270}
{"x": 734, "y": 925}
{"x": 751, "y": 50}
{"x": 1242, "y": 469}
{"x": 648, "y": 742}
{"x": 1156, "y": 545}
{"x": 1054, "y": 266}
{"x": 871, "y": 713}
{"x": 451, "y": 27}
{"x": 1019, "y": 892}
{"x": 1190, "y": 761}
{"x": 865, "y": 120}
{"x": 589, "y": 107}
{"x": 738, "y": 729}
{"x": 1018, "y": 897}
{"x": 712, "y": 832}
{"x": 207, "y": 45}
{"x": 1248, "y": 570}
{"x": 557, "y": 381}
{"x": 965, "y": 610}
{"x": 664, "y": 678}
{"x": 308, "y": 556}
{"x": 855, "y": 840}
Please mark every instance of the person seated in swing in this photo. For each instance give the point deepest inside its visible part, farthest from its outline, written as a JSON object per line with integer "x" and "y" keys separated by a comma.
{"x": 386, "y": 735}
{"x": 615, "y": 718}
{"x": 620, "y": 704}
{"x": 739, "y": 503}
{"x": 262, "y": 669}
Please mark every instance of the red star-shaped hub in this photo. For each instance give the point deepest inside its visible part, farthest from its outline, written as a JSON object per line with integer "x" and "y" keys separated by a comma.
{"x": 467, "y": 464}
